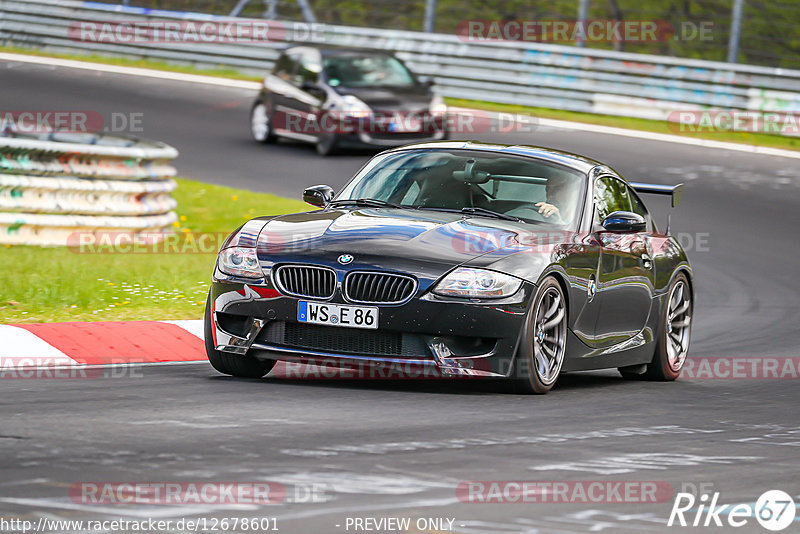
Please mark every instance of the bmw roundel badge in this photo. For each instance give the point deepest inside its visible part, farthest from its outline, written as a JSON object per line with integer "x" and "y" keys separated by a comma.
{"x": 344, "y": 259}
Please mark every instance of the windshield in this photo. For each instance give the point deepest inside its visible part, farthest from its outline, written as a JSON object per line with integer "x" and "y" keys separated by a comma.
{"x": 519, "y": 187}
{"x": 366, "y": 71}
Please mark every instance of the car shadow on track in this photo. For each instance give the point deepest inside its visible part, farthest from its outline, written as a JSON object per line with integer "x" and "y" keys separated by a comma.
{"x": 300, "y": 149}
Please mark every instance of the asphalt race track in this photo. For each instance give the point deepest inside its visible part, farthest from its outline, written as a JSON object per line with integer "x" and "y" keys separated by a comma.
{"x": 389, "y": 448}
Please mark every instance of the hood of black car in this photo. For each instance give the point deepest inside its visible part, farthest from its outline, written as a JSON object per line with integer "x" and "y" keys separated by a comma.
{"x": 426, "y": 244}
{"x": 390, "y": 99}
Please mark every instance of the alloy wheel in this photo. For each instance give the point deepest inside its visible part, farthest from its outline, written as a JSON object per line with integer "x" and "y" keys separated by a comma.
{"x": 549, "y": 336}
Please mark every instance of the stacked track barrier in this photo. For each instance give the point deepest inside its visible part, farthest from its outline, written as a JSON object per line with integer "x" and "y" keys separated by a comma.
{"x": 54, "y": 187}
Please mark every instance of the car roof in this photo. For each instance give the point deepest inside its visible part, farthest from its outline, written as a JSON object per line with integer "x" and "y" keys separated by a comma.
{"x": 575, "y": 161}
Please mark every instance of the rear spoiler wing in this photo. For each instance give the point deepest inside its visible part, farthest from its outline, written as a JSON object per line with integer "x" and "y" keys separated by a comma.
{"x": 675, "y": 191}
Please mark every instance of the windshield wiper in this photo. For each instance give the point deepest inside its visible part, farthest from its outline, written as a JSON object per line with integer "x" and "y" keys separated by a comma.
{"x": 365, "y": 202}
{"x": 489, "y": 213}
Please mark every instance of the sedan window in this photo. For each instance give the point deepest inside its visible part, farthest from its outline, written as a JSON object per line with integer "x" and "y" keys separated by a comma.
{"x": 366, "y": 70}
{"x": 285, "y": 67}
{"x": 310, "y": 67}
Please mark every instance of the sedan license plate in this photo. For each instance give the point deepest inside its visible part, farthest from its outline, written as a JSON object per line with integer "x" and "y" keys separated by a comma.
{"x": 337, "y": 315}
{"x": 407, "y": 125}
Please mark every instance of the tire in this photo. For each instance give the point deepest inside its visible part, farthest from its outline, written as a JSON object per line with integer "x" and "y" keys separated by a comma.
{"x": 239, "y": 365}
{"x": 673, "y": 339}
{"x": 541, "y": 354}
{"x": 326, "y": 145}
{"x": 260, "y": 124}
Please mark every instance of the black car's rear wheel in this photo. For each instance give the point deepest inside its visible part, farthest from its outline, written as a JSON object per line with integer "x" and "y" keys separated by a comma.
{"x": 541, "y": 356}
{"x": 232, "y": 364}
{"x": 673, "y": 342}
{"x": 260, "y": 124}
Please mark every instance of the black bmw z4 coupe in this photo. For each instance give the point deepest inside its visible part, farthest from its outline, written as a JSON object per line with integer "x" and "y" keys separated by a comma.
{"x": 462, "y": 258}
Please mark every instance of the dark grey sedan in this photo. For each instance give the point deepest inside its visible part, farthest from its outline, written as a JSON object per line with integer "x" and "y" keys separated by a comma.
{"x": 344, "y": 98}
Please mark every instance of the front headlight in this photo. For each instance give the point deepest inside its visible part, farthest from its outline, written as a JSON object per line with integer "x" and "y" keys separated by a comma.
{"x": 239, "y": 261}
{"x": 437, "y": 107}
{"x": 353, "y": 106}
{"x": 477, "y": 283}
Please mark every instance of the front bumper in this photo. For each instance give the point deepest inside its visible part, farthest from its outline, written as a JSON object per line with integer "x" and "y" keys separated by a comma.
{"x": 448, "y": 337}
{"x": 366, "y": 139}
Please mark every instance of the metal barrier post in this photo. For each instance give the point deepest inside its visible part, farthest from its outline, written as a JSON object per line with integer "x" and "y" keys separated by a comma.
{"x": 583, "y": 14}
{"x": 237, "y": 9}
{"x": 736, "y": 27}
{"x": 430, "y": 15}
{"x": 305, "y": 7}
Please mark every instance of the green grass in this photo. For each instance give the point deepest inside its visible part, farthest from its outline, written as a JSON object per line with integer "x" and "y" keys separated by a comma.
{"x": 61, "y": 284}
{"x": 766, "y": 140}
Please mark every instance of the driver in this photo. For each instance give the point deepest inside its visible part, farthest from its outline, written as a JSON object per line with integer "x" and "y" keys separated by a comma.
{"x": 558, "y": 197}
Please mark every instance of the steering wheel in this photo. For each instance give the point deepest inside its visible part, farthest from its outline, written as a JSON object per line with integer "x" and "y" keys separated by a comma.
{"x": 529, "y": 211}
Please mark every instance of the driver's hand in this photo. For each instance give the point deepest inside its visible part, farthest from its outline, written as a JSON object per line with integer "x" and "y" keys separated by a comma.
{"x": 548, "y": 210}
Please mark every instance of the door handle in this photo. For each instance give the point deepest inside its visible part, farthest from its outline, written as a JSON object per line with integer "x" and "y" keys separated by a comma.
{"x": 647, "y": 261}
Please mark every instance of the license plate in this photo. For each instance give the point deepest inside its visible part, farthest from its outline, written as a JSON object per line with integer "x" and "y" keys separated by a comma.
{"x": 408, "y": 126}
{"x": 337, "y": 315}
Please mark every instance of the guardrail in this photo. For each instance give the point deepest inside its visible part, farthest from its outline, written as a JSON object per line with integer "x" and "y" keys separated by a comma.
{"x": 531, "y": 74}
{"x": 58, "y": 186}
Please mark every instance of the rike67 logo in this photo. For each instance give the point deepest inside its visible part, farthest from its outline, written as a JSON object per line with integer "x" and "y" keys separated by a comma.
{"x": 774, "y": 510}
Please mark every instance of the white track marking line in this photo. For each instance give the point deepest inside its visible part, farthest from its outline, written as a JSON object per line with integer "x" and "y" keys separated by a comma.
{"x": 131, "y": 71}
{"x": 668, "y": 138}
{"x": 193, "y": 326}
{"x": 553, "y": 123}
{"x": 640, "y": 134}
{"x": 20, "y": 347}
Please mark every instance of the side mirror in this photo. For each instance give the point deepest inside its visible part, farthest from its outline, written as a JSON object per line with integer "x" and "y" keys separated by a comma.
{"x": 426, "y": 81}
{"x": 318, "y": 195}
{"x": 625, "y": 221}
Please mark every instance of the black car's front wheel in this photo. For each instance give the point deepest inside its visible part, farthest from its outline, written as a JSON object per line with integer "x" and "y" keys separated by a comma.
{"x": 541, "y": 355}
{"x": 242, "y": 366}
{"x": 260, "y": 124}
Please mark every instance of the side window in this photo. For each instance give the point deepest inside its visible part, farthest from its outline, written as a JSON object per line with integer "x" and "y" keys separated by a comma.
{"x": 610, "y": 195}
{"x": 284, "y": 67}
{"x": 310, "y": 67}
